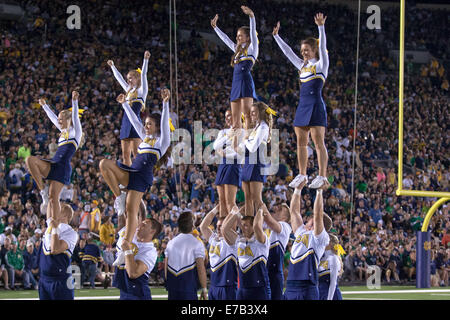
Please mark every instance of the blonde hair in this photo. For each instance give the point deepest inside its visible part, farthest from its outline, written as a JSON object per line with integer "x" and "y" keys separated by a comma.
{"x": 240, "y": 49}
{"x": 334, "y": 241}
{"x": 67, "y": 114}
{"x": 137, "y": 75}
{"x": 67, "y": 211}
{"x": 265, "y": 116}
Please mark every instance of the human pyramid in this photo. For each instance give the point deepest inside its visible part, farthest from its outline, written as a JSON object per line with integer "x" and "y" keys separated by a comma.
{"x": 247, "y": 246}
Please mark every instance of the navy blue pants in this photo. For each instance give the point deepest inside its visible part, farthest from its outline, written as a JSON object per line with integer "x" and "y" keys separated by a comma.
{"x": 50, "y": 289}
{"x": 222, "y": 293}
{"x": 182, "y": 295}
{"x": 256, "y": 293}
{"x": 310, "y": 292}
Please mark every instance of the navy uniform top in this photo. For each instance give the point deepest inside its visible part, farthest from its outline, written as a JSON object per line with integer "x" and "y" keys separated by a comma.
{"x": 245, "y": 62}
{"x": 312, "y": 75}
{"x": 223, "y": 262}
{"x": 181, "y": 253}
{"x": 142, "y": 251}
{"x": 151, "y": 149}
{"x": 306, "y": 252}
{"x": 278, "y": 243}
{"x": 329, "y": 268}
{"x": 136, "y": 97}
{"x": 69, "y": 138}
{"x": 252, "y": 258}
{"x": 57, "y": 266}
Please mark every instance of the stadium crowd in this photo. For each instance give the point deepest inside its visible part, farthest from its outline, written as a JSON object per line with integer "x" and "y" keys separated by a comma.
{"x": 42, "y": 58}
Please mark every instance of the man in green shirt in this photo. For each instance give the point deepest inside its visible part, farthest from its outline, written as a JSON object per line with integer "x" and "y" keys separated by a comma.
{"x": 416, "y": 222}
{"x": 14, "y": 260}
{"x": 24, "y": 151}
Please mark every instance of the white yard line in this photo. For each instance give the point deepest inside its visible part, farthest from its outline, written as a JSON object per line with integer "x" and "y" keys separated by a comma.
{"x": 395, "y": 291}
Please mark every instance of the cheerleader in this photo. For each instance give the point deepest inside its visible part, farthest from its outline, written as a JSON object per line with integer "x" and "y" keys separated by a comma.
{"x": 253, "y": 146}
{"x": 153, "y": 151}
{"x": 136, "y": 88}
{"x": 253, "y": 251}
{"x": 228, "y": 171}
{"x": 58, "y": 169}
{"x": 330, "y": 268}
{"x": 140, "y": 257}
{"x": 223, "y": 259}
{"x": 279, "y": 232}
{"x": 311, "y": 115}
{"x": 242, "y": 61}
{"x": 311, "y": 239}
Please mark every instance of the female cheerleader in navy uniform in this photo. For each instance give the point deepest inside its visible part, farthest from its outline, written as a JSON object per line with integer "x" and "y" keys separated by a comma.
{"x": 330, "y": 268}
{"x": 254, "y": 145}
{"x": 136, "y": 88}
{"x": 311, "y": 114}
{"x": 153, "y": 151}
{"x": 228, "y": 171}
{"x": 244, "y": 57}
{"x": 57, "y": 170}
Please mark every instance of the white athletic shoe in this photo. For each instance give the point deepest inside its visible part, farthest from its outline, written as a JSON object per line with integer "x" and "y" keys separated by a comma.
{"x": 298, "y": 180}
{"x": 119, "y": 203}
{"x": 120, "y": 260}
{"x": 44, "y": 195}
{"x": 318, "y": 182}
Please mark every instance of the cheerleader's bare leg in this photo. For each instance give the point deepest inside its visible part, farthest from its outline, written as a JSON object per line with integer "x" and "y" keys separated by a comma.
{"x": 302, "y": 134}
{"x": 246, "y": 104}
{"x": 39, "y": 169}
{"x": 256, "y": 194}
{"x": 318, "y": 137}
{"x": 222, "y": 201}
{"x": 113, "y": 175}
{"x": 230, "y": 196}
{"x": 54, "y": 206}
{"x": 126, "y": 151}
{"x": 132, "y": 207}
{"x": 135, "y": 142}
{"x": 236, "y": 114}
{"x": 249, "y": 208}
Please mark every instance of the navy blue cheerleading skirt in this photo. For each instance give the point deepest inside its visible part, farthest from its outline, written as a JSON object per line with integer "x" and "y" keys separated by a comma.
{"x": 242, "y": 85}
{"x": 136, "y": 179}
{"x": 252, "y": 173}
{"x": 311, "y": 110}
{"x": 60, "y": 168}
{"x": 126, "y": 129}
{"x": 228, "y": 174}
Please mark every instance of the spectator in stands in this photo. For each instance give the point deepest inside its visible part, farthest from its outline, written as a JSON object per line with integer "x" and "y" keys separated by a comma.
{"x": 107, "y": 231}
{"x": 31, "y": 268}
{"x": 90, "y": 257}
{"x": 5, "y": 247}
{"x": 14, "y": 260}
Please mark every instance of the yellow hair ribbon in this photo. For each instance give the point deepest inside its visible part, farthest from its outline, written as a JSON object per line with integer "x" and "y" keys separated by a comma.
{"x": 139, "y": 70}
{"x": 338, "y": 248}
{"x": 80, "y": 111}
{"x": 269, "y": 110}
{"x": 172, "y": 128}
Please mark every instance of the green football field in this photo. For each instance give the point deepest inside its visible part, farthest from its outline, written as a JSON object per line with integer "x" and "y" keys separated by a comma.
{"x": 348, "y": 293}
